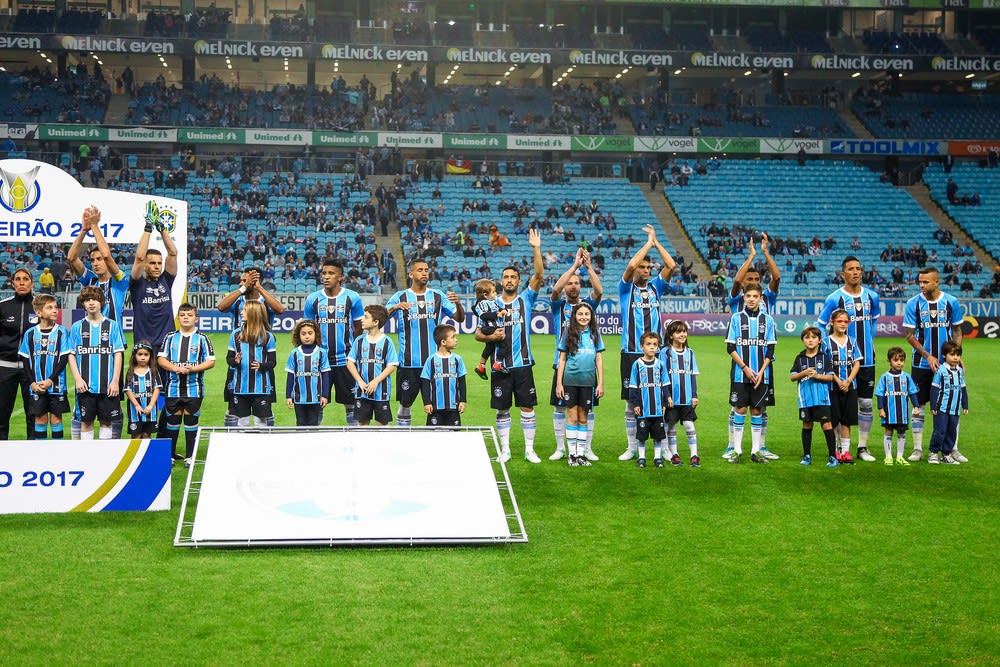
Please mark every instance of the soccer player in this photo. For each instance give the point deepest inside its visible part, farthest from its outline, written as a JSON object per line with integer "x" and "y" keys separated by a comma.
{"x": 252, "y": 354}
{"x": 338, "y": 312}
{"x": 650, "y": 397}
{"x": 683, "y": 371}
{"x": 750, "y": 342}
{"x": 16, "y": 317}
{"x": 96, "y": 353}
{"x": 442, "y": 381}
{"x": 863, "y": 310}
{"x": 371, "y": 361}
{"x": 931, "y": 319}
{"x": 814, "y": 371}
{"x": 846, "y": 358}
{"x": 184, "y": 357}
{"x": 418, "y": 310}
{"x": 45, "y": 351}
{"x": 894, "y": 392}
{"x": 307, "y": 381}
{"x": 152, "y": 280}
{"x": 565, "y": 297}
{"x": 748, "y": 275}
{"x": 949, "y": 399}
{"x": 639, "y": 297}
{"x": 580, "y": 377}
{"x": 517, "y": 385}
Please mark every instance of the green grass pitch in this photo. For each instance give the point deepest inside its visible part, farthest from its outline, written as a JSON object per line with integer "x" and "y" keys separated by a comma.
{"x": 744, "y": 564}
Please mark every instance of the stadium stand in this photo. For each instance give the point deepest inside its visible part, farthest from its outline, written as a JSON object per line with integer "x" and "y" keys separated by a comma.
{"x": 929, "y": 115}
{"x": 921, "y": 43}
{"x": 813, "y": 214}
{"x": 38, "y": 96}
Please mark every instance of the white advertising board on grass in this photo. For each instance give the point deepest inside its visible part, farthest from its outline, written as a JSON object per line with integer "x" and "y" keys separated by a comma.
{"x": 84, "y": 476}
{"x": 355, "y": 486}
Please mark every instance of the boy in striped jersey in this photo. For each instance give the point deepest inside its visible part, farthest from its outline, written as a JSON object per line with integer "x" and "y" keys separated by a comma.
{"x": 97, "y": 346}
{"x": 949, "y": 399}
{"x": 750, "y": 343}
{"x": 45, "y": 351}
{"x": 371, "y": 361}
{"x": 185, "y": 356}
{"x": 649, "y": 396}
{"x": 894, "y": 392}
{"x": 813, "y": 370}
{"x": 442, "y": 381}
{"x": 862, "y": 308}
{"x": 639, "y": 296}
{"x": 931, "y": 319}
{"x": 307, "y": 382}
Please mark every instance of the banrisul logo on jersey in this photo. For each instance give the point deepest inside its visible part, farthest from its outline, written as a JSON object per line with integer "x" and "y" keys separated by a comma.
{"x": 19, "y": 192}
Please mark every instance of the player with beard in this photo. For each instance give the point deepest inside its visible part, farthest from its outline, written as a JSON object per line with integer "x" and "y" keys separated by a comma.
{"x": 565, "y": 296}
{"x": 418, "y": 310}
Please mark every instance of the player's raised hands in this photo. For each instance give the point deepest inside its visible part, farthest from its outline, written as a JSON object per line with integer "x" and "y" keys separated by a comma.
{"x": 534, "y": 238}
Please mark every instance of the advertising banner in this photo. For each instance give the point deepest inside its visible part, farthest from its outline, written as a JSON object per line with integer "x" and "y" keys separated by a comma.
{"x": 973, "y": 148}
{"x": 84, "y": 476}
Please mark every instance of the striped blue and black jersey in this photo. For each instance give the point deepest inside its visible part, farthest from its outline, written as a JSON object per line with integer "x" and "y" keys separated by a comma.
{"x": 114, "y": 288}
{"x": 186, "y": 350}
{"x": 336, "y": 316}
{"x": 517, "y": 330}
{"x": 45, "y": 352}
{"x": 247, "y": 380}
{"x": 948, "y": 392}
{"x": 844, "y": 356}
{"x": 305, "y": 372}
{"x": 640, "y": 308}
{"x": 813, "y": 392}
{"x": 649, "y": 387}
{"x": 442, "y": 382}
{"x": 863, "y": 310}
{"x": 683, "y": 371}
{"x": 753, "y": 337}
{"x": 895, "y": 392}
{"x": 415, "y": 323}
{"x": 94, "y": 344}
{"x": 370, "y": 359}
{"x": 486, "y": 309}
{"x": 932, "y": 322}
{"x": 142, "y": 387}
{"x": 236, "y": 310}
{"x": 768, "y": 301}
{"x": 562, "y": 310}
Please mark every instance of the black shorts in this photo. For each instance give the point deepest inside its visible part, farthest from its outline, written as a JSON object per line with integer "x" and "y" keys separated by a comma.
{"x": 45, "y": 403}
{"x": 178, "y": 404}
{"x": 844, "y": 407}
{"x": 244, "y": 405}
{"x": 407, "y": 385}
{"x": 649, "y": 427}
{"x": 625, "y": 366}
{"x": 895, "y": 428}
{"x": 98, "y": 407}
{"x": 923, "y": 377}
{"x": 139, "y": 428}
{"x": 444, "y": 418}
{"x": 365, "y": 410}
{"x": 557, "y": 402}
{"x": 745, "y": 395}
{"x": 579, "y": 397}
{"x": 865, "y": 380}
{"x": 341, "y": 385}
{"x": 308, "y": 414}
{"x": 517, "y": 384}
{"x": 227, "y": 391}
{"x": 681, "y": 413}
{"x": 817, "y": 413}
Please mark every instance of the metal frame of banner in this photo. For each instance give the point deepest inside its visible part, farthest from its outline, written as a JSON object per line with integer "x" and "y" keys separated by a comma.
{"x": 192, "y": 489}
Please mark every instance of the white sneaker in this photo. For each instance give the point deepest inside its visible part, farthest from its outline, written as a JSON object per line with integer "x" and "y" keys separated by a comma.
{"x": 949, "y": 460}
{"x": 768, "y": 454}
{"x": 959, "y": 456}
{"x": 933, "y": 457}
{"x": 627, "y": 455}
{"x": 915, "y": 456}
{"x": 557, "y": 455}
{"x": 865, "y": 455}
{"x": 728, "y": 454}
{"x": 188, "y": 462}
{"x": 504, "y": 455}
{"x": 591, "y": 456}
{"x": 531, "y": 457}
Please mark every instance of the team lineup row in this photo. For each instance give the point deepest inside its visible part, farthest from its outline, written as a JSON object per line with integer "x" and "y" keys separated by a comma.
{"x": 660, "y": 389}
